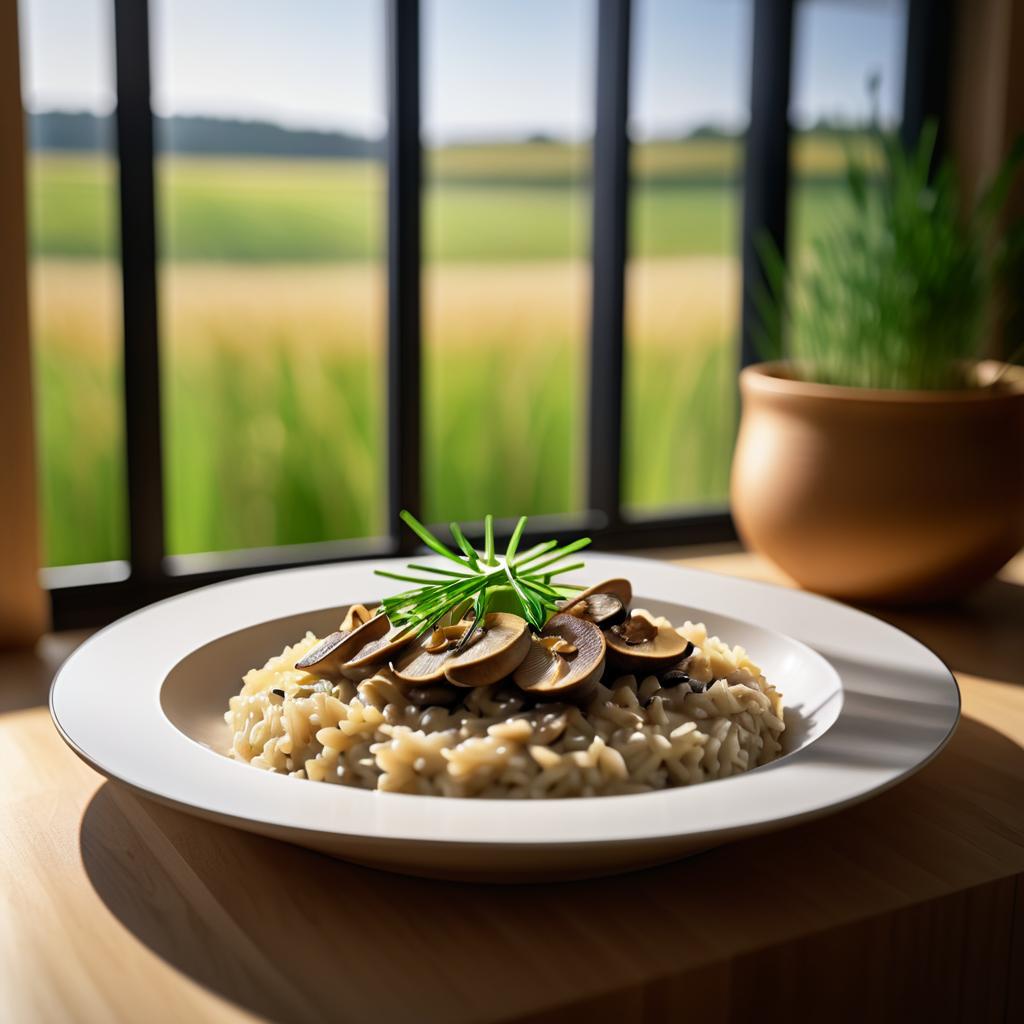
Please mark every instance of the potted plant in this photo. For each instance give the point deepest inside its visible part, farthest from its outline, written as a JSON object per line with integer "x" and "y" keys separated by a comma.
{"x": 880, "y": 457}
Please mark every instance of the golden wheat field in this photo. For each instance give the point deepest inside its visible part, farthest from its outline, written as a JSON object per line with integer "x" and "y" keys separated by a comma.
{"x": 673, "y": 303}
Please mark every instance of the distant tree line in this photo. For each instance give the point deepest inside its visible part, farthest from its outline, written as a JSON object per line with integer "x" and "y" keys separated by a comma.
{"x": 84, "y": 132}
{"x": 59, "y": 130}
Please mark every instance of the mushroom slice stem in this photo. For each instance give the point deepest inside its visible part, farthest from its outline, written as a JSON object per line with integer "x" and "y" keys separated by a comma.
{"x": 641, "y": 646}
{"x": 497, "y": 648}
{"x": 546, "y": 670}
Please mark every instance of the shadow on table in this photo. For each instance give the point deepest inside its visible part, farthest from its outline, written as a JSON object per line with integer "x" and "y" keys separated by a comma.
{"x": 982, "y": 634}
{"x": 294, "y": 935}
{"x": 27, "y": 673}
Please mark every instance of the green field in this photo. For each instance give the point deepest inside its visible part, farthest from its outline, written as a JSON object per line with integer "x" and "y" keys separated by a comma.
{"x": 272, "y": 321}
{"x": 269, "y": 210}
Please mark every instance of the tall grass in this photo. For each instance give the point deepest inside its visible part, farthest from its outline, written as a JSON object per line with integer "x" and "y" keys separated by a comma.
{"x": 285, "y": 449}
{"x": 81, "y": 440}
{"x": 271, "y": 450}
{"x": 503, "y": 429}
{"x": 680, "y": 414}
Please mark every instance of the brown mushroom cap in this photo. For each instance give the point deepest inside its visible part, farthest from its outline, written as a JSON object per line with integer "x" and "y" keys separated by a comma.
{"x": 604, "y": 610}
{"x": 664, "y": 649}
{"x": 620, "y": 588}
{"x": 375, "y": 646}
{"x": 329, "y": 656}
{"x": 323, "y": 659}
{"x": 326, "y": 658}
{"x": 494, "y": 651}
{"x": 546, "y": 671}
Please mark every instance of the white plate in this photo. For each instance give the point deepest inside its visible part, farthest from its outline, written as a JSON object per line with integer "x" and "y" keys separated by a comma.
{"x": 141, "y": 701}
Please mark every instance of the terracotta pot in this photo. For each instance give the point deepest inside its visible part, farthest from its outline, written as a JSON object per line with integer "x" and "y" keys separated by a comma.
{"x": 876, "y": 495}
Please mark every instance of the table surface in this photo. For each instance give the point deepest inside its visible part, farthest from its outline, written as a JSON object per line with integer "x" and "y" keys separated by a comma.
{"x": 118, "y": 909}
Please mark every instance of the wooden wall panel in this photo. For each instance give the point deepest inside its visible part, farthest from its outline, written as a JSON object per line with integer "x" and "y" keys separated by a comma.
{"x": 23, "y": 612}
{"x": 986, "y": 114}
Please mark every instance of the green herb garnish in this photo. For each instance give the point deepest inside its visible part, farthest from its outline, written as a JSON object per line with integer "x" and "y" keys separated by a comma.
{"x": 484, "y": 581}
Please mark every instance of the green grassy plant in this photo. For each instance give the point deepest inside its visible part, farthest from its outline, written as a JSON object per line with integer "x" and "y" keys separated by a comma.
{"x": 894, "y": 291}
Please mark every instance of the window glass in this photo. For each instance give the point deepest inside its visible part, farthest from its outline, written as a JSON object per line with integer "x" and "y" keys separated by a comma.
{"x": 689, "y": 111}
{"x": 508, "y": 116}
{"x": 69, "y": 93}
{"x": 270, "y": 187}
{"x": 839, "y": 48}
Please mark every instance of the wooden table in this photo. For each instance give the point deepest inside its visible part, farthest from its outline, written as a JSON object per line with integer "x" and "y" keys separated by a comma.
{"x": 908, "y": 905}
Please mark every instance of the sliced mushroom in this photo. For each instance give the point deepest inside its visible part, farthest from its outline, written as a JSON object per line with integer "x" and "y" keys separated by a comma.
{"x": 328, "y": 656}
{"x": 546, "y": 670}
{"x": 375, "y": 648}
{"x": 638, "y": 645}
{"x": 358, "y": 615}
{"x": 620, "y": 588}
{"x": 424, "y": 663}
{"x": 495, "y": 649}
{"x": 355, "y": 654}
{"x": 604, "y": 610}
{"x": 636, "y": 630}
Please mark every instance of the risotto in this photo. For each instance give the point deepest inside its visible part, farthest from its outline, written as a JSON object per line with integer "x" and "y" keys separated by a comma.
{"x": 710, "y": 715}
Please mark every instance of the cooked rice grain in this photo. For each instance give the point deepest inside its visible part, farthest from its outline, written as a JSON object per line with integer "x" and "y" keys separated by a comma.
{"x": 632, "y": 735}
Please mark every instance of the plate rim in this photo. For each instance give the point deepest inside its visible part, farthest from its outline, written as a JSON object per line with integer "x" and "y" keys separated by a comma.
{"x": 600, "y": 807}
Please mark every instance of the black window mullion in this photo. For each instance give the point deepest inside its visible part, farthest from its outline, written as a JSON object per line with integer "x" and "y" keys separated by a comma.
{"x": 609, "y": 251}
{"x": 404, "y": 160}
{"x": 766, "y": 176}
{"x": 139, "y": 288}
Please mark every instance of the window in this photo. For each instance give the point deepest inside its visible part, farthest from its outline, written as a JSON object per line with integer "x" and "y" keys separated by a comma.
{"x": 584, "y": 258}
{"x": 68, "y": 87}
{"x": 508, "y": 114}
{"x": 270, "y": 191}
{"x": 690, "y": 99}
{"x": 842, "y": 49}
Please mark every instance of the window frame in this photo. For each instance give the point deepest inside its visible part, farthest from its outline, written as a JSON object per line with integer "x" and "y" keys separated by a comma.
{"x": 84, "y": 596}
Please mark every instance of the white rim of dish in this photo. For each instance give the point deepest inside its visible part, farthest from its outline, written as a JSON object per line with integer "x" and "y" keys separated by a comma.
{"x": 901, "y": 705}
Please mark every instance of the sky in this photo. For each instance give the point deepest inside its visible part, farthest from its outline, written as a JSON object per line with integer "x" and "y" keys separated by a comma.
{"x": 491, "y": 68}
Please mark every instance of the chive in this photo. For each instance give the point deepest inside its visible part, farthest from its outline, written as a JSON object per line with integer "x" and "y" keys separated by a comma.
{"x": 513, "y": 544}
{"x": 439, "y": 571}
{"x": 489, "y": 539}
{"x": 535, "y": 552}
{"x": 434, "y": 598}
{"x": 427, "y": 537}
{"x": 468, "y": 549}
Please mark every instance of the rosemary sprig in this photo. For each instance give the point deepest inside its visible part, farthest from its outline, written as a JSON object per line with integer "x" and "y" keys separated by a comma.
{"x": 524, "y": 579}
